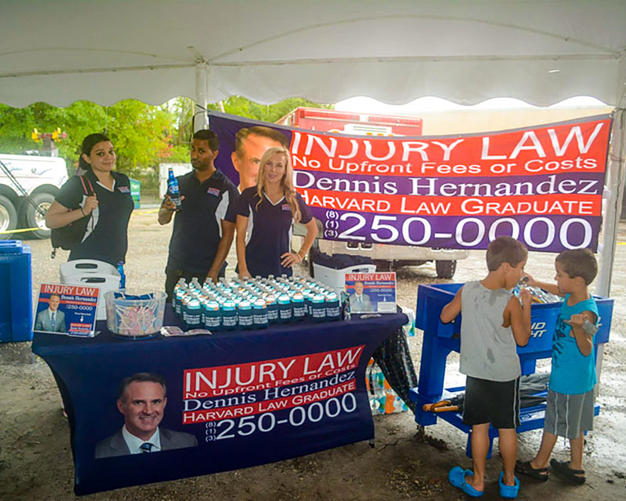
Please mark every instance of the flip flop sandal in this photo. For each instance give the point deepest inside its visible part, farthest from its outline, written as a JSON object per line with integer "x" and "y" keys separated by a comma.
{"x": 562, "y": 470}
{"x": 508, "y": 491}
{"x": 525, "y": 468}
{"x": 456, "y": 477}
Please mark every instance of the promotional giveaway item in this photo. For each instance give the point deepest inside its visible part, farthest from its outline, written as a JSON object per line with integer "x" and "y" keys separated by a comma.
{"x": 135, "y": 315}
{"x": 66, "y": 309}
{"x": 255, "y": 303}
{"x": 371, "y": 292}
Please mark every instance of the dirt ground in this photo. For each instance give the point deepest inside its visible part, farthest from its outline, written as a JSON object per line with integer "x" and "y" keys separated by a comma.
{"x": 406, "y": 463}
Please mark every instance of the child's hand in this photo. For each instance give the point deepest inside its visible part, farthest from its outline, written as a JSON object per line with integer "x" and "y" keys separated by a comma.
{"x": 576, "y": 320}
{"x": 530, "y": 281}
{"x": 525, "y": 297}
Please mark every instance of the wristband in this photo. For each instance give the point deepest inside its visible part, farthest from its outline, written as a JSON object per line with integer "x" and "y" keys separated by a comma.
{"x": 82, "y": 212}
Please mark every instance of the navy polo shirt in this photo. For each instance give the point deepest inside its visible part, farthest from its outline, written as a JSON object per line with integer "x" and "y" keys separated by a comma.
{"x": 270, "y": 227}
{"x": 198, "y": 224}
{"x": 106, "y": 237}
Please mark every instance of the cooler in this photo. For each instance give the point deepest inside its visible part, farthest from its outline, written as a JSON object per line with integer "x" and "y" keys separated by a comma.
{"x": 80, "y": 267}
{"x": 332, "y": 270}
{"x": 337, "y": 278}
{"x": 16, "y": 298}
{"x": 92, "y": 273}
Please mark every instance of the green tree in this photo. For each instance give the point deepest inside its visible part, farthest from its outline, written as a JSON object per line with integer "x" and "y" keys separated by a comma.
{"x": 143, "y": 135}
{"x": 183, "y": 108}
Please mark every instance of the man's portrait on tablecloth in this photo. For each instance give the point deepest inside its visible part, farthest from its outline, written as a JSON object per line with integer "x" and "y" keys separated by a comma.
{"x": 142, "y": 400}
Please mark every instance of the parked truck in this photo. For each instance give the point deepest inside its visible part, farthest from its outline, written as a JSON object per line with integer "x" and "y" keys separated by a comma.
{"x": 384, "y": 255}
{"x": 28, "y": 186}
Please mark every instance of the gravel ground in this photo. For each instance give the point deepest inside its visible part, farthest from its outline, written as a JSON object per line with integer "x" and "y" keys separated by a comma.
{"x": 406, "y": 463}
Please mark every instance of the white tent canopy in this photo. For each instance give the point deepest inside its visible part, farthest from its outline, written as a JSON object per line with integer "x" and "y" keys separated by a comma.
{"x": 325, "y": 50}
{"x": 539, "y": 51}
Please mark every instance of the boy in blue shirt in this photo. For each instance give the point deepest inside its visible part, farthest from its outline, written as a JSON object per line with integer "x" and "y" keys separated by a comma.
{"x": 569, "y": 409}
{"x": 494, "y": 323}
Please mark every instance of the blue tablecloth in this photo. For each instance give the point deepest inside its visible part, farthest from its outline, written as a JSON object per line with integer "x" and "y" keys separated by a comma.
{"x": 311, "y": 395}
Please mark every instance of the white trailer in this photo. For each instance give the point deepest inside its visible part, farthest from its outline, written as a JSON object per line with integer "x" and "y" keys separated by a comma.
{"x": 29, "y": 177}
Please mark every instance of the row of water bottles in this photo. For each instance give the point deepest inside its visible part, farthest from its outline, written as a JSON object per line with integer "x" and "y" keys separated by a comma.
{"x": 253, "y": 303}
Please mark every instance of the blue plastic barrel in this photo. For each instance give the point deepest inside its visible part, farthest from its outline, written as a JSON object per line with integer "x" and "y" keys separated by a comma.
{"x": 16, "y": 300}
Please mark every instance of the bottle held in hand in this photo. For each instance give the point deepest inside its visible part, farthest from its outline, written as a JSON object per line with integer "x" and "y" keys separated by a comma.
{"x": 172, "y": 188}
{"x": 120, "y": 270}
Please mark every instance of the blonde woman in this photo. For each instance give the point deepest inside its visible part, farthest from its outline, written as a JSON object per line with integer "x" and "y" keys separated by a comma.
{"x": 265, "y": 219}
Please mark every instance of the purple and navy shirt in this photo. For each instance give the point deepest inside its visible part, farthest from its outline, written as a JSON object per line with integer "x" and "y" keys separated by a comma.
{"x": 270, "y": 227}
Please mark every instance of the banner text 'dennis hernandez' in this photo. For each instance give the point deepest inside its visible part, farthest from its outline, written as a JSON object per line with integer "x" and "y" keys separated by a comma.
{"x": 542, "y": 186}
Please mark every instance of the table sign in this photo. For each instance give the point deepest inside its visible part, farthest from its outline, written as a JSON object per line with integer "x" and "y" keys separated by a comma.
{"x": 66, "y": 309}
{"x": 371, "y": 292}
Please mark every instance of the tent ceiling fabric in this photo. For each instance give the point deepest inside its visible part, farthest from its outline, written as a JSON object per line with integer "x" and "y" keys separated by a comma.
{"x": 325, "y": 50}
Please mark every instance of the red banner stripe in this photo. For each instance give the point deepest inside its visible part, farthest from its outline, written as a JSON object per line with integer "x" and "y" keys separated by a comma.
{"x": 574, "y": 204}
{"x": 558, "y": 148}
{"x": 230, "y": 379}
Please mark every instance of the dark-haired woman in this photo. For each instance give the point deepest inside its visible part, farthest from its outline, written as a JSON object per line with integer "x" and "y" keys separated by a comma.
{"x": 99, "y": 193}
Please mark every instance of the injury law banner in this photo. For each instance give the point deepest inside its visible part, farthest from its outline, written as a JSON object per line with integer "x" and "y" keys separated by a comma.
{"x": 541, "y": 185}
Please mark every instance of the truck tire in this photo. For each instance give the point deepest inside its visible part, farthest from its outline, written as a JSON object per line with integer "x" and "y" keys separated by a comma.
{"x": 8, "y": 218}
{"x": 33, "y": 219}
{"x": 445, "y": 269}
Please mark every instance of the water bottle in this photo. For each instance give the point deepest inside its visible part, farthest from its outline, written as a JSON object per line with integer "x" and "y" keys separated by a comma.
{"x": 120, "y": 270}
{"x": 260, "y": 314}
{"x": 299, "y": 307}
{"x": 319, "y": 308}
{"x": 308, "y": 302}
{"x": 192, "y": 313}
{"x": 246, "y": 315}
{"x": 272, "y": 309}
{"x": 195, "y": 284}
{"x": 172, "y": 188}
{"x": 212, "y": 316}
{"x": 177, "y": 301}
{"x": 333, "y": 312}
{"x": 284, "y": 309}
{"x": 229, "y": 316}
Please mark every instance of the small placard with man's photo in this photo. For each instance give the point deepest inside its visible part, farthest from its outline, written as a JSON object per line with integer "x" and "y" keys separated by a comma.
{"x": 371, "y": 292}
{"x": 66, "y": 309}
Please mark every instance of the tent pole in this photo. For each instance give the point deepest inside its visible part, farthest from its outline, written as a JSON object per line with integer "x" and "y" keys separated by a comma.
{"x": 200, "y": 117}
{"x": 615, "y": 178}
{"x": 613, "y": 203}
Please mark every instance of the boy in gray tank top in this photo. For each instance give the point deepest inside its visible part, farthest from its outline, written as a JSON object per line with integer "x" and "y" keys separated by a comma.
{"x": 494, "y": 323}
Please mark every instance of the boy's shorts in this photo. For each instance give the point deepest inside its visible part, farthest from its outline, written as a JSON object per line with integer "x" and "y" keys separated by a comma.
{"x": 495, "y": 402}
{"x": 568, "y": 415}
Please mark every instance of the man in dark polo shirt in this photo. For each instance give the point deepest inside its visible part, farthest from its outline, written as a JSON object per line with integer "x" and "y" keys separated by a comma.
{"x": 205, "y": 224}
